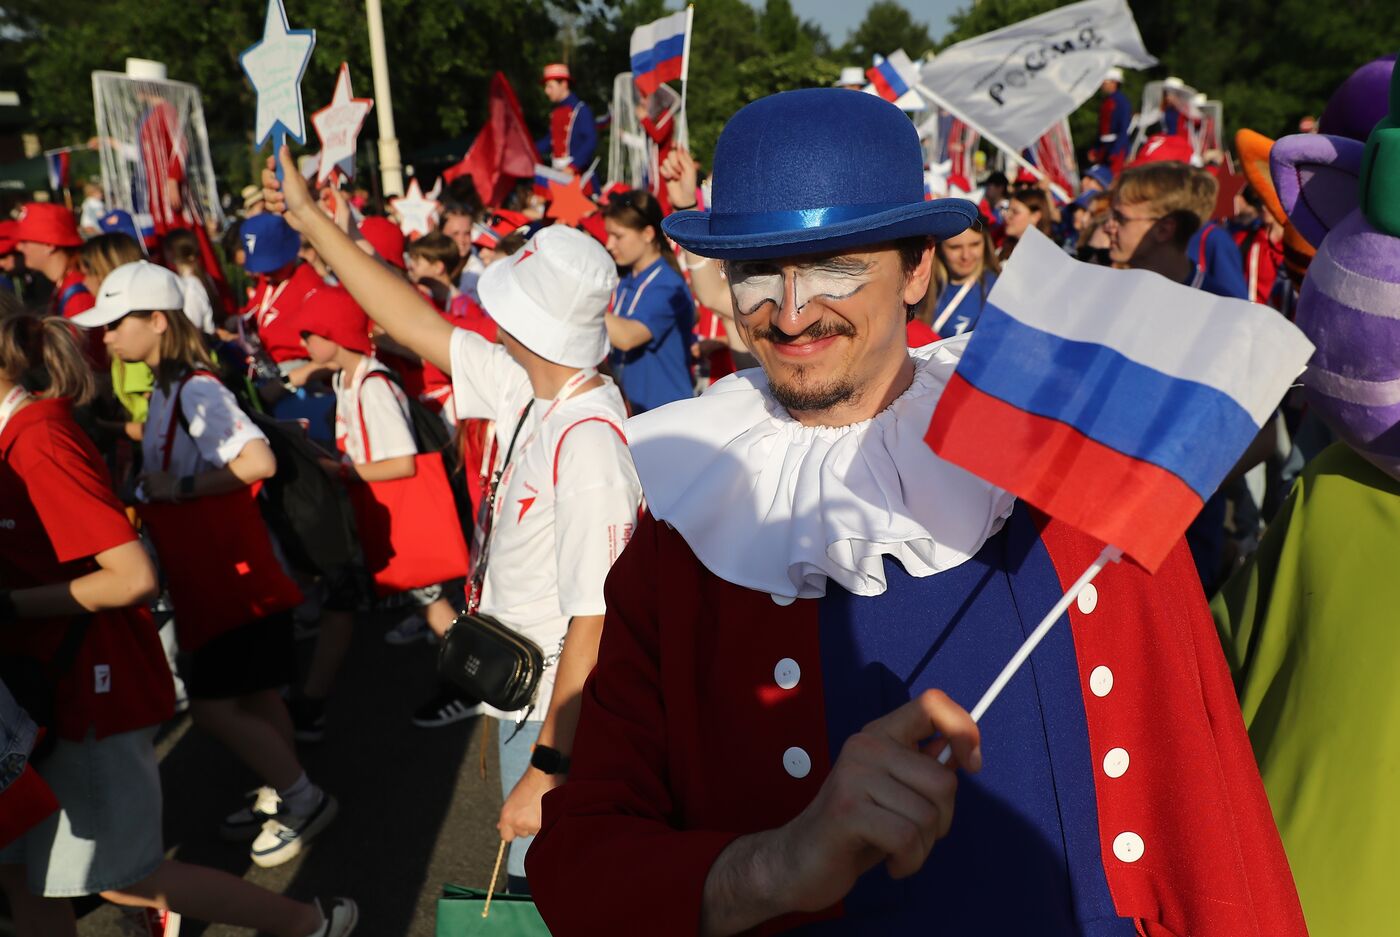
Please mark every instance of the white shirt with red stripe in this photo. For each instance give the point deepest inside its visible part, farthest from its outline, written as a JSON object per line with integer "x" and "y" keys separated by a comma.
{"x": 569, "y": 506}
{"x": 372, "y": 420}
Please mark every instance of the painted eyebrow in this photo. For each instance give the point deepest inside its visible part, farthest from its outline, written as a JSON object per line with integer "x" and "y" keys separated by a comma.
{"x": 847, "y": 265}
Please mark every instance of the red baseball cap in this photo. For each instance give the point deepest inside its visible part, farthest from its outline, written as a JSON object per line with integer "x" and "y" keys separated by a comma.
{"x": 386, "y": 239}
{"x": 556, "y": 71}
{"x": 332, "y": 313}
{"x": 7, "y": 237}
{"x": 47, "y": 223}
{"x": 503, "y": 223}
{"x": 1162, "y": 148}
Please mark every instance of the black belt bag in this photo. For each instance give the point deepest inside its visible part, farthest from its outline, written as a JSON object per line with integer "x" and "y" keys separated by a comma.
{"x": 492, "y": 663}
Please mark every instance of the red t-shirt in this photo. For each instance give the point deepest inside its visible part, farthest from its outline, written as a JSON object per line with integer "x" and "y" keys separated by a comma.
{"x": 79, "y": 300}
{"x": 273, "y": 309}
{"x": 57, "y": 511}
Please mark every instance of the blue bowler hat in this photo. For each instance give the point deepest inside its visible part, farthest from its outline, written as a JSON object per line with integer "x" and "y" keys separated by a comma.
{"x": 823, "y": 169}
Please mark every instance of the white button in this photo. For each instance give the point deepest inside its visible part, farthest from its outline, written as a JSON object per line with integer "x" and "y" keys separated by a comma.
{"x": 1115, "y": 763}
{"x": 797, "y": 762}
{"x": 787, "y": 673}
{"x": 1088, "y": 599}
{"x": 1101, "y": 681}
{"x": 782, "y": 599}
{"x": 1128, "y": 847}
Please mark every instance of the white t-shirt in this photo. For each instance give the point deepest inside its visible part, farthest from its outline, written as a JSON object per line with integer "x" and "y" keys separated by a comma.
{"x": 384, "y": 408}
{"x": 569, "y": 507}
{"x": 197, "y": 306}
{"x": 91, "y": 215}
{"x": 218, "y": 429}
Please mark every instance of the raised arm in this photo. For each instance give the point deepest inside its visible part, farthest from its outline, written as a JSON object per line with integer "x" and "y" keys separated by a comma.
{"x": 388, "y": 299}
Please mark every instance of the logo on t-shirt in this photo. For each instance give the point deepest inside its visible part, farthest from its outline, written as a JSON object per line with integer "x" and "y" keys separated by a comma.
{"x": 525, "y": 503}
{"x": 101, "y": 679}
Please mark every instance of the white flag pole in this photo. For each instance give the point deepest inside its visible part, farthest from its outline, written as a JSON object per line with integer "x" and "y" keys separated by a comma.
{"x": 683, "y": 131}
{"x": 1109, "y": 554}
{"x": 992, "y": 139}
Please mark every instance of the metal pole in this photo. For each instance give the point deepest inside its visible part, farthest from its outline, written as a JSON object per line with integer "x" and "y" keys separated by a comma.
{"x": 1020, "y": 160}
{"x": 389, "y": 164}
{"x": 683, "y": 136}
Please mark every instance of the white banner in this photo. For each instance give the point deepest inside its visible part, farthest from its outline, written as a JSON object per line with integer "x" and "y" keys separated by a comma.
{"x": 1019, "y": 81}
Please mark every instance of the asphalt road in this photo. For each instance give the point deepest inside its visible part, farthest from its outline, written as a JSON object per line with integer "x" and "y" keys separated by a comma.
{"x": 417, "y": 807}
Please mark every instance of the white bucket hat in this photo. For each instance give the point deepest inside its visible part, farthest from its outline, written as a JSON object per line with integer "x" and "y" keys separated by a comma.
{"x": 552, "y": 294}
{"x": 852, "y": 75}
{"x": 139, "y": 286}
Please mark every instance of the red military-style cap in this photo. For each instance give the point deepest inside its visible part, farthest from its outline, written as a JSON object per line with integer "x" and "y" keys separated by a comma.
{"x": 556, "y": 71}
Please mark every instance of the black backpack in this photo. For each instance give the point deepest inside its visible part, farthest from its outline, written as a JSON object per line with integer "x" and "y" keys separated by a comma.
{"x": 308, "y": 511}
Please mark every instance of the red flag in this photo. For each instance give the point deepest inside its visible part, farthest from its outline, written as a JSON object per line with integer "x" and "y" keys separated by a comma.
{"x": 502, "y": 152}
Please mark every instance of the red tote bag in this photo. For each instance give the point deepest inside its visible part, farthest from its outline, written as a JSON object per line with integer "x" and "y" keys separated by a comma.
{"x": 218, "y": 559}
{"x": 409, "y": 530}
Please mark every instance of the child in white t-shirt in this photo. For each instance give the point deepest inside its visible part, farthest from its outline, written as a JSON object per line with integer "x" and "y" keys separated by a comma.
{"x": 374, "y": 432}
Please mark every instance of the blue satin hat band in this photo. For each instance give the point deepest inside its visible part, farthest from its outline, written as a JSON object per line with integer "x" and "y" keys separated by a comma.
{"x": 762, "y": 222}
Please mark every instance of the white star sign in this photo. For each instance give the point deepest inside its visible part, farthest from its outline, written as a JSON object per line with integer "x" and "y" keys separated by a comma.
{"x": 415, "y": 212}
{"x": 338, "y": 125}
{"x": 274, "y": 64}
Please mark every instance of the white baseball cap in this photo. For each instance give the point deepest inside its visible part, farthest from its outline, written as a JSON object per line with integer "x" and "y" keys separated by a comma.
{"x": 1114, "y": 74}
{"x": 852, "y": 75}
{"x": 140, "y": 286}
{"x": 551, "y": 296}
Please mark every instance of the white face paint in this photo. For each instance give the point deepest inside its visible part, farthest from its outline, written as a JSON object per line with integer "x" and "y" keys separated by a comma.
{"x": 756, "y": 283}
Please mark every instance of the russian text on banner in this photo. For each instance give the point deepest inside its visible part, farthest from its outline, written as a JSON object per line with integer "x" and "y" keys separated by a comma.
{"x": 1116, "y": 401}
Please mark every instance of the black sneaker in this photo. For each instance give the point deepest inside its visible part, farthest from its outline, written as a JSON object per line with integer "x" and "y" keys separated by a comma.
{"x": 308, "y": 719}
{"x": 446, "y": 707}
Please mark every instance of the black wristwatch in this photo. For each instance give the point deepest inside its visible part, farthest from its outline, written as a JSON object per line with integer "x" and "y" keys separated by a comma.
{"x": 549, "y": 760}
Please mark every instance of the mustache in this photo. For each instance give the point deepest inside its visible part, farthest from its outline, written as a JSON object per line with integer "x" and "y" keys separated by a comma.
{"x": 814, "y": 332}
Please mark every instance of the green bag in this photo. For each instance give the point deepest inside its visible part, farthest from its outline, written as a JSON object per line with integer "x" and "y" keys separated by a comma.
{"x": 459, "y": 914}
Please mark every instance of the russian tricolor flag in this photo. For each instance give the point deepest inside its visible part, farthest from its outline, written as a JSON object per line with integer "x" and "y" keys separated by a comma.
{"x": 57, "y": 165}
{"x": 1114, "y": 400}
{"x": 658, "y": 51}
{"x": 893, "y": 78}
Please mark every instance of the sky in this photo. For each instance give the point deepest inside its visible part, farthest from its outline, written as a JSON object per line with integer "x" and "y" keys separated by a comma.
{"x": 839, "y": 17}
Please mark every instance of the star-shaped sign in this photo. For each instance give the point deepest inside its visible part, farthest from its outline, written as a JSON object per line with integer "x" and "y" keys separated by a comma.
{"x": 338, "y": 125}
{"x": 274, "y": 64}
{"x": 567, "y": 203}
{"x": 416, "y": 213}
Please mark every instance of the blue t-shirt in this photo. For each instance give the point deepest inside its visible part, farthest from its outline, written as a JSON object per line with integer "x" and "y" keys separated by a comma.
{"x": 657, "y": 372}
{"x": 964, "y": 318}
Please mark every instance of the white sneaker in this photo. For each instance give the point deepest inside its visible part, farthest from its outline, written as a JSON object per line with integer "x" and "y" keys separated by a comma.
{"x": 341, "y": 920}
{"x": 283, "y": 836}
{"x": 243, "y": 825}
{"x": 413, "y": 628}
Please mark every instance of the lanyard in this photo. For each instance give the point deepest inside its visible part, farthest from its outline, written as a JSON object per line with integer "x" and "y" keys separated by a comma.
{"x": 12, "y": 402}
{"x": 952, "y": 306}
{"x": 632, "y": 307}
{"x": 492, "y": 502}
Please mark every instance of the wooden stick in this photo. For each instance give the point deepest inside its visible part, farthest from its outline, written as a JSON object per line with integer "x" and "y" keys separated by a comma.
{"x": 495, "y": 873}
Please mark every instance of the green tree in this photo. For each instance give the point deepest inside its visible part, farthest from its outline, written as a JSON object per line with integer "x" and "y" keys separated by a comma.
{"x": 887, "y": 26}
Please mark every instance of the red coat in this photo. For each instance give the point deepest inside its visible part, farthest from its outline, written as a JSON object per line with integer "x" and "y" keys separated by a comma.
{"x": 682, "y": 730}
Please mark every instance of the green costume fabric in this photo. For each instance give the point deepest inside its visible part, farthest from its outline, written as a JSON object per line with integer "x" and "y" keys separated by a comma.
{"x": 1311, "y": 630}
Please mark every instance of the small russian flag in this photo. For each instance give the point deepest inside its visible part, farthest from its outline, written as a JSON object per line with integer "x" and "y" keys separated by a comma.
{"x": 893, "y": 78}
{"x": 1116, "y": 401}
{"x": 57, "y": 164}
{"x": 658, "y": 51}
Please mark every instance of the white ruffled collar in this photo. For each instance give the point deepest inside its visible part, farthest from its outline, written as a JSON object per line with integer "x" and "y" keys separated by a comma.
{"x": 769, "y": 504}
